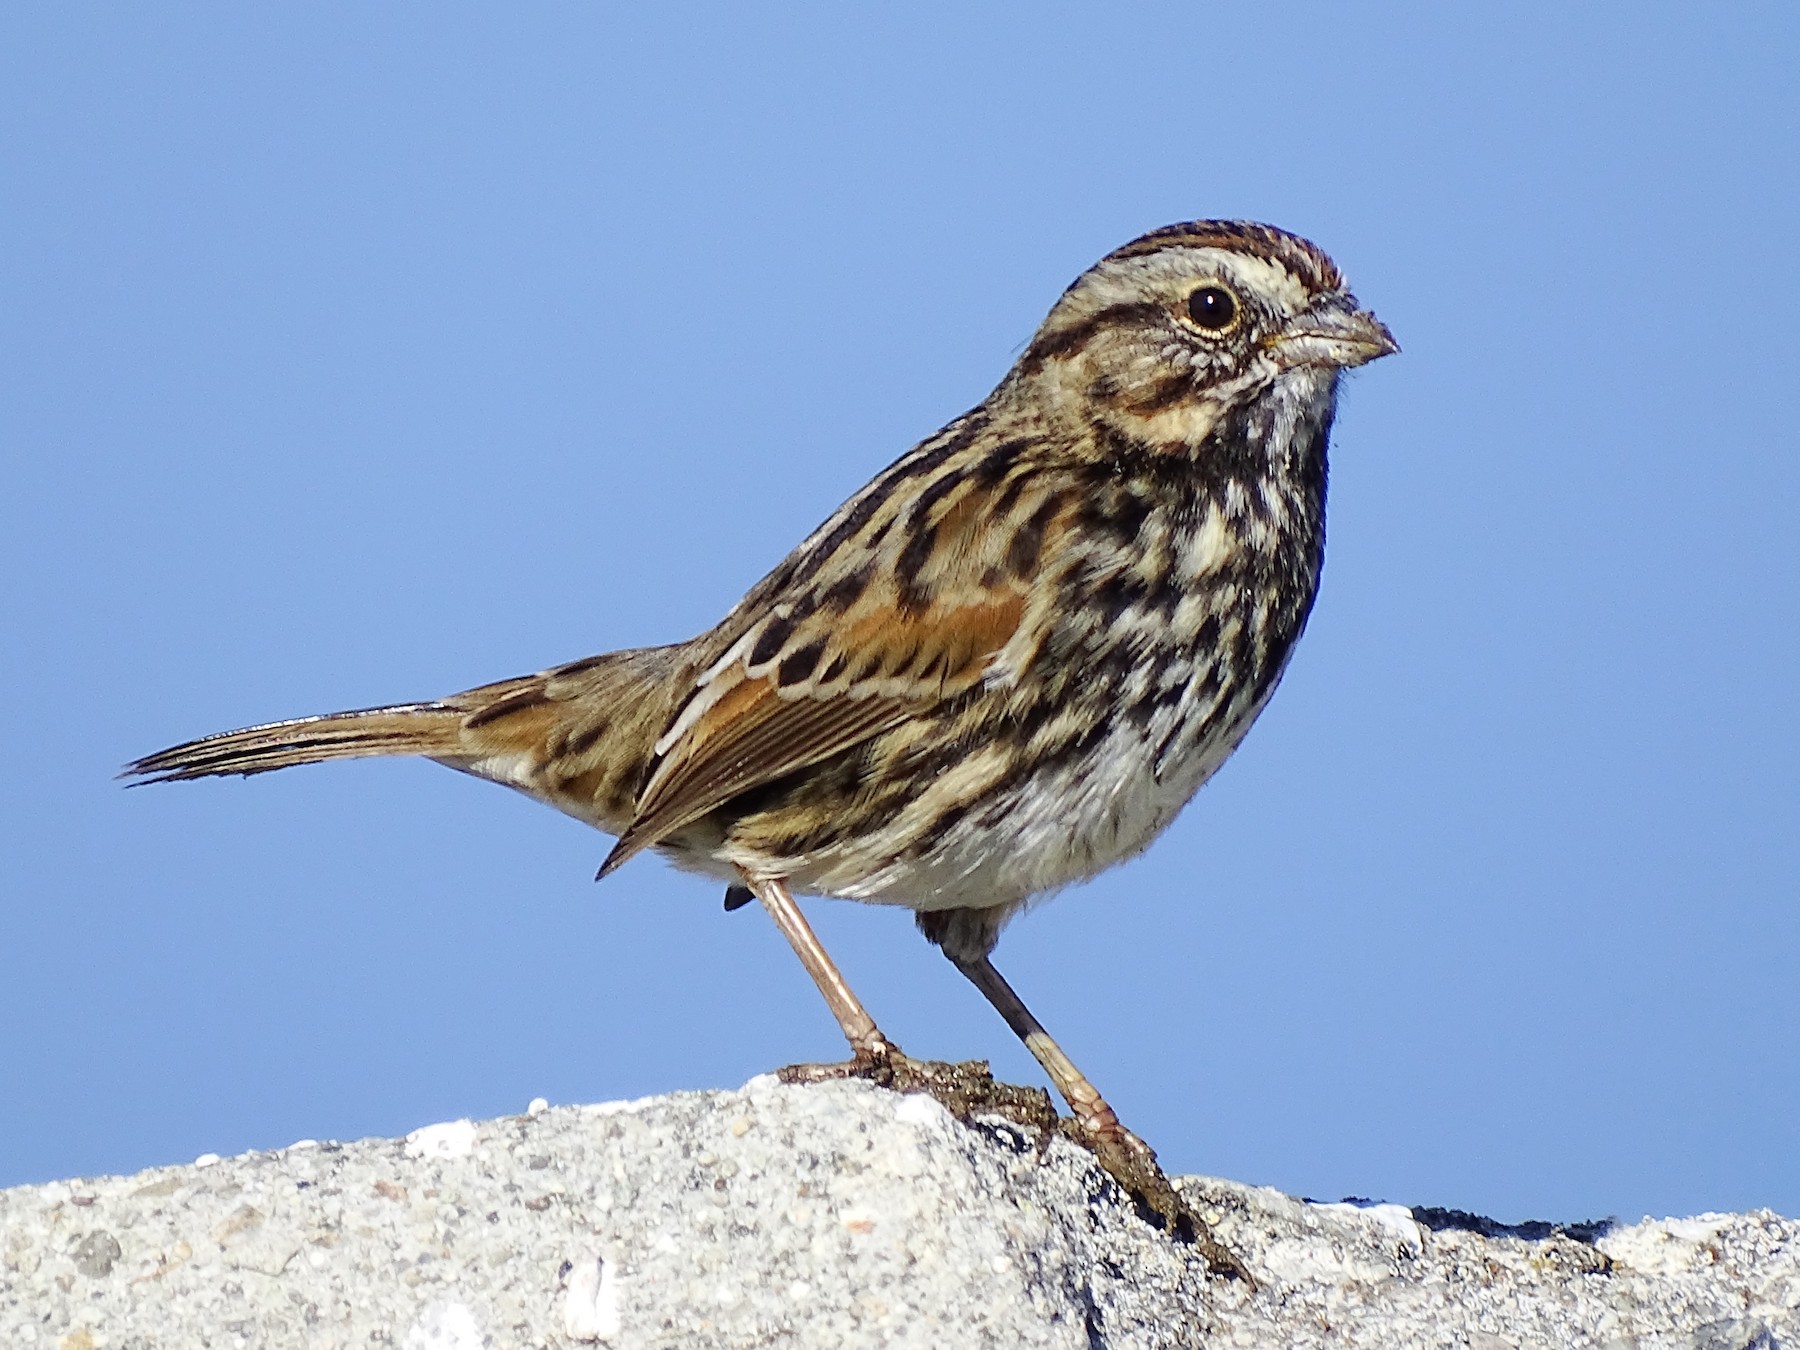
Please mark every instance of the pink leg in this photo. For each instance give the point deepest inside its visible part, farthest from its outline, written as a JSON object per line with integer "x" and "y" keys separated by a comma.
{"x": 866, "y": 1040}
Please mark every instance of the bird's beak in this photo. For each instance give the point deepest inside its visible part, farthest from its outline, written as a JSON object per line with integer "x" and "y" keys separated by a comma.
{"x": 1336, "y": 333}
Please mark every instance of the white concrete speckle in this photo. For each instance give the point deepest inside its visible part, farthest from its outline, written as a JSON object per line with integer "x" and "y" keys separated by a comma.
{"x": 450, "y": 1139}
{"x": 624, "y": 1108}
{"x": 915, "y": 1108}
{"x": 591, "y": 1301}
{"x": 1395, "y": 1220}
{"x": 1666, "y": 1246}
{"x": 445, "y": 1326}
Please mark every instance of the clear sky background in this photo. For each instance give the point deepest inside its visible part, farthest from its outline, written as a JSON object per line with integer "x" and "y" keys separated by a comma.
{"x": 358, "y": 353}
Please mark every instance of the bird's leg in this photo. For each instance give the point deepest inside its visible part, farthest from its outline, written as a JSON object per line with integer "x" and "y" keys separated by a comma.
{"x": 965, "y": 1090}
{"x": 1093, "y": 1116}
{"x": 866, "y": 1041}
{"x": 1129, "y": 1160}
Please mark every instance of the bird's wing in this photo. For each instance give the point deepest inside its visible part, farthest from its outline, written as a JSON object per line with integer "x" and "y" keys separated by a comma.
{"x": 849, "y": 639}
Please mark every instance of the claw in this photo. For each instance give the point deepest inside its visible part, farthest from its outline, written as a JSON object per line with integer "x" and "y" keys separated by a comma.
{"x": 969, "y": 1090}
{"x": 1132, "y": 1163}
{"x": 966, "y": 1090}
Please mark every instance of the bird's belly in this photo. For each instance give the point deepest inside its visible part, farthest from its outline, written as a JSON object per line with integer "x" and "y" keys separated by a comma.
{"x": 1064, "y": 823}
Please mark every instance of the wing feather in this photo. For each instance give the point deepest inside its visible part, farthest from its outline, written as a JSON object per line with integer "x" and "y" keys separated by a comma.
{"x": 831, "y": 652}
{"x": 779, "y": 738}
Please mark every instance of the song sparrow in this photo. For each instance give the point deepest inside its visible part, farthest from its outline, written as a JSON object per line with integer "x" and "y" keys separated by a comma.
{"x": 1002, "y": 666}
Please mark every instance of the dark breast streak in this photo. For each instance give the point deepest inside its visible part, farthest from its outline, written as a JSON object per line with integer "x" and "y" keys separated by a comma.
{"x": 1140, "y": 641}
{"x": 1121, "y": 649}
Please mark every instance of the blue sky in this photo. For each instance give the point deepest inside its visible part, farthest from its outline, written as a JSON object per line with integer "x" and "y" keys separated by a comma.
{"x": 358, "y": 354}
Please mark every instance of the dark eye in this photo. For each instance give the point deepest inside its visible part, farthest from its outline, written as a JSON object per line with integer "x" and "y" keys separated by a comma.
{"x": 1213, "y": 307}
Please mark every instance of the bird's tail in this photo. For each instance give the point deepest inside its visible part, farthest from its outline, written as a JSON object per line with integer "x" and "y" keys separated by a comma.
{"x": 580, "y": 737}
{"x": 403, "y": 729}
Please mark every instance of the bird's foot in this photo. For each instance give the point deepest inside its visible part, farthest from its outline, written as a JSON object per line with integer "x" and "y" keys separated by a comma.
{"x": 969, "y": 1089}
{"x": 966, "y": 1090}
{"x": 1132, "y": 1163}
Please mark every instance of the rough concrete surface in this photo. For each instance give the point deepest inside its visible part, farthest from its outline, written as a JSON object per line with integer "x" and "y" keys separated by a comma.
{"x": 831, "y": 1215}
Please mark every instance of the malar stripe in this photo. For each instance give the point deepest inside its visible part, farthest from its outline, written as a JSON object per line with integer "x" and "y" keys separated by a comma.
{"x": 1160, "y": 397}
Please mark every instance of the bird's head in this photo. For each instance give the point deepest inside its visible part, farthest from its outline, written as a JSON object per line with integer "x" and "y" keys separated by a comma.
{"x": 1165, "y": 335}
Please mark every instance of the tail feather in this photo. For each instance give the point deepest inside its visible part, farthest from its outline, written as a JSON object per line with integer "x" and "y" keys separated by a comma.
{"x": 579, "y": 737}
{"x": 402, "y": 729}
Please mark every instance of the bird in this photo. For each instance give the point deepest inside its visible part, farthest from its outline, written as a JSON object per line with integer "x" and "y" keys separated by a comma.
{"x": 1002, "y": 666}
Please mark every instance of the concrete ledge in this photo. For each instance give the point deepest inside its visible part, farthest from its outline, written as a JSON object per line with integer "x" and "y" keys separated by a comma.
{"x": 835, "y": 1215}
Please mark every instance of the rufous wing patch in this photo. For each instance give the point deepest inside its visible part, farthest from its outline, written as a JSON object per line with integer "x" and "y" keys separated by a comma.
{"x": 864, "y": 673}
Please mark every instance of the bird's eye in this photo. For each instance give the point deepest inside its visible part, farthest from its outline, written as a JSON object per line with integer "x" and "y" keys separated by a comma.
{"x": 1213, "y": 307}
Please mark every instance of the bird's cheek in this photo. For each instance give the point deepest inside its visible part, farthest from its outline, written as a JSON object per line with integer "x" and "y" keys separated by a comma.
{"x": 1180, "y": 424}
